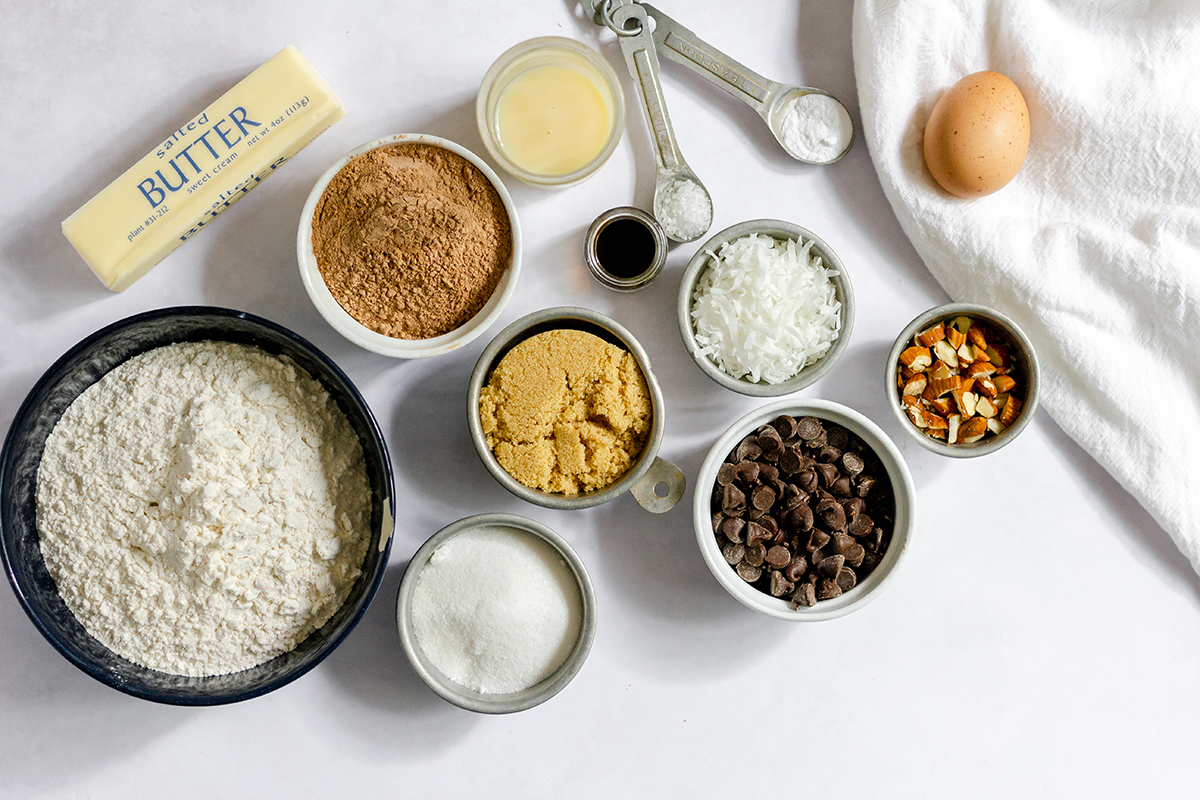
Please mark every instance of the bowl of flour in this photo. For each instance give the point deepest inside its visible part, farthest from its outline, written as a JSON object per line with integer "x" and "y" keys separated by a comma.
{"x": 195, "y": 506}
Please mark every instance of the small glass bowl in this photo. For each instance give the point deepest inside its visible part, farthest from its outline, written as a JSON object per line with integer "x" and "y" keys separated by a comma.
{"x": 546, "y": 51}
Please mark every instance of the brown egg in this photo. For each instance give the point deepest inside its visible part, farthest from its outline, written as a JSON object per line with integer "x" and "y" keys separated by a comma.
{"x": 977, "y": 135}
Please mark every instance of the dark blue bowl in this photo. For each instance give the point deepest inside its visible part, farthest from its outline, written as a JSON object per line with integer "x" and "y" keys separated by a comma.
{"x": 83, "y": 365}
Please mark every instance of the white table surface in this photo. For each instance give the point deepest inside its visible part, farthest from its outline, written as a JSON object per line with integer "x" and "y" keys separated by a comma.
{"x": 1040, "y": 638}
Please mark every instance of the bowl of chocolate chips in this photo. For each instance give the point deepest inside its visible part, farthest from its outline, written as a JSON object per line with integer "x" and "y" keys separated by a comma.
{"x": 803, "y": 509}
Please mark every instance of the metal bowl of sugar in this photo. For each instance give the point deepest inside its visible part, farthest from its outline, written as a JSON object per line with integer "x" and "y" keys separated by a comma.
{"x": 778, "y": 335}
{"x": 496, "y": 613}
{"x": 77, "y": 370}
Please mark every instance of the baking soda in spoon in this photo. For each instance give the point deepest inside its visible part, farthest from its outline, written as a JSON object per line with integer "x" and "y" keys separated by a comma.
{"x": 496, "y": 610}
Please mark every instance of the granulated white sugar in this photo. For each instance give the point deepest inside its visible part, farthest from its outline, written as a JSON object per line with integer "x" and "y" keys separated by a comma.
{"x": 496, "y": 609}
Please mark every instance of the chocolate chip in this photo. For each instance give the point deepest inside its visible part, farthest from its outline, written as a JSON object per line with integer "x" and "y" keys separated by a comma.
{"x": 780, "y": 585}
{"x": 796, "y": 568}
{"x": 748, "y": 573}
{"x": 820, "y": 554}
{"x": 800, "y": 518}
{"x": 733, "y": 501}
{"x": 816, "y": 540}
{"x": 732, "y": 527}
{"x": 829, "y": 567}
{"x": 809, "y": 428}
{"x": 717, "y": 519}
{"x": 843, "y": 542}
{"x": 828, "y": 472}
{"x": 763, "y": 497}
{"x": 747, "y": 472}
{"x": 789, "y": 461}
{"x": 808, "y": 480}
{"x": 755, "y": 513}
{"x": 734, "y": 553}
{"x": 768, "y": 473}
{"x": 829, "y": 455}
{"x": 866, "y": 484}
{"x": 827, "y": 589}
{"x": 755, "y": 555}
{"x": 853, "y": 507}
{"x": 725, "y": 474}
{"x": 861, "y": 525}
{"x": 805, "y": 596}
{"x": 831, "y": 514}
{"x": 853, "y": 463}
{"x": 770, "y": 441}
{"x": 778, "y": 556}
{"x": 837, "y": 437}
{"x": 785, "y": 425}
{"x": 846, "y": 579}
{"x": 792, "y": 496}
{"x": 748, "y": 450}
{"x": 756, "y": 534}
{"x": 870, "y": 562}
{"x": 854, "y": 555}
{"x": 841, "y": 487}
{"x": 873, "y": 541}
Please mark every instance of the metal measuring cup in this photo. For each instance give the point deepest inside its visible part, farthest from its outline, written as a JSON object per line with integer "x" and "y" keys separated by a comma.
{"x": 648, "y": 472}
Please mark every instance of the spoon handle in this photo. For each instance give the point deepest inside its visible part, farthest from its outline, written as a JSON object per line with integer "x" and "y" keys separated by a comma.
{"x": 680, "y": 45}
{"x": 642, "y": 61}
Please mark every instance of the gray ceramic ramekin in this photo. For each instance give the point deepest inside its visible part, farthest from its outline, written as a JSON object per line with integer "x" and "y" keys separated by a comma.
{"x": 1026, "y": 370}
{"x": 507, "y": 702}
{"x": 777, "y": 229}
{"x": 648, "y": 473}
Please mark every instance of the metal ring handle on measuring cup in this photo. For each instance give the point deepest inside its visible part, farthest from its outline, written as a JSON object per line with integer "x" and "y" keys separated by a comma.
{"x": 606, "y": 9}
{"x": 660, "y": 472}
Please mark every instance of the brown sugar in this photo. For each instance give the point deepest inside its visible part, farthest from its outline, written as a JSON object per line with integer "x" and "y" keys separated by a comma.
{"x": 565, "y": 411}
{"x": 411, "y": 240}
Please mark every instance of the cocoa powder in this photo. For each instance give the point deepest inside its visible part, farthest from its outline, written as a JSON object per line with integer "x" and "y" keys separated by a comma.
{"x": 411, "y": 240}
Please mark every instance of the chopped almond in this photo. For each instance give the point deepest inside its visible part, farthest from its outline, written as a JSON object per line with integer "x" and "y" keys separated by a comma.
{"x": 916, "y": 358}
{"x": 972, "y": 430}
{"x": 929, "y": 336}
{"x": 916, "y": 385}
{"x": 976, "y": 337}
{"x": 953, "y": 423}
{"x": 986, "y": 387}
{"x": 946, "y": 353}
{"x": 1011, "y": 409}
{"x": 986, "y": 408}
{"x": 955, "y": 337}
{"x": 1005, "y": 383}
{"x": 981, "y": 369}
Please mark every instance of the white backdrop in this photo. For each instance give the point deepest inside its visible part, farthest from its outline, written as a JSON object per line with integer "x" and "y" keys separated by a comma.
{"x": 1040, "y": 639}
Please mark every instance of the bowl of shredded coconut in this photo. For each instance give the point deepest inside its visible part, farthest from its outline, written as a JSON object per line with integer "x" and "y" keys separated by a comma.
{"x": 195, "y": 505}
{"x": 765, "y": 308}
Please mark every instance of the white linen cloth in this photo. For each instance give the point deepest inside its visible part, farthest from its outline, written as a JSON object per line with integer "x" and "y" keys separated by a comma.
{"x": 1094, "y": 248}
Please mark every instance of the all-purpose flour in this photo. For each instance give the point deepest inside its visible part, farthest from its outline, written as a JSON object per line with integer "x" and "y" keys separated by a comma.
{"x": 203, "y": 508}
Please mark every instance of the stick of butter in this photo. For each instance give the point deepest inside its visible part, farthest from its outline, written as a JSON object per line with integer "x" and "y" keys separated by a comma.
{"x": 202, "y": 169}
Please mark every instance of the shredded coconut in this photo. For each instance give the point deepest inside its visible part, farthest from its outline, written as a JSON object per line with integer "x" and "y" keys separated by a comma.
{"x": 203, "y": 508}
{"x": 764, "y": 308}
{"x": 816, "y": 127}
{"x": 685, "y": 210}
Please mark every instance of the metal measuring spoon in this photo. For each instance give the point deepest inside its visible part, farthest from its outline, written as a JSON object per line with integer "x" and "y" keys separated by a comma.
{"x": 674, "y": 182}
{"x": 769, "y": 98}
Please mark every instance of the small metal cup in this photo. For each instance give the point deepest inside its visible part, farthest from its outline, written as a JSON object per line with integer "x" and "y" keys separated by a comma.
{"x": 647, "y": 472}
{"x": 616, "y": 282}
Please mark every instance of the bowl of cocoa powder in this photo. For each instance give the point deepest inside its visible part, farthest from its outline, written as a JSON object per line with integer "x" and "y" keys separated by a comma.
{"x": 409, "y": 246}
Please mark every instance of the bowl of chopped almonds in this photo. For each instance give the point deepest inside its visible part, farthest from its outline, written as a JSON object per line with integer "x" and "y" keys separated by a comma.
{"x": 963, "y": 380}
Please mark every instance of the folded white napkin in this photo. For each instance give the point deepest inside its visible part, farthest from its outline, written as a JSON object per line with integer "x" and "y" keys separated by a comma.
{"x": 1094, "y": 248}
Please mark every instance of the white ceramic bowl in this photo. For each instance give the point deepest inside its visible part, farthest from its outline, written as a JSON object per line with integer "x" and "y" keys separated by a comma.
{"x": 902, "y": 490}
{"x": 377, "y": 342}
